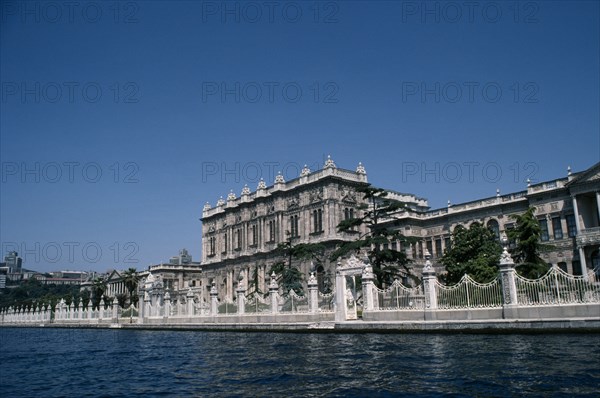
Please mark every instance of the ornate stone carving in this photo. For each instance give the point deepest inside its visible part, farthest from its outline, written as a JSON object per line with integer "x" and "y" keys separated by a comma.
{"x": 206, "y": 206}
{"x": 261, "y": 185}
{"x": 360, "y": 169}
{"x": 293, "y": 202}
{"x": 279, "y": 178}
{"x": 246, "y": 190}
{"x": 329, "y": 164}
{"x": 316, "y": 195}
{"x": 231, "y": 196}
{"x": 305, "y": 171}
{"x": 220, "y": 202}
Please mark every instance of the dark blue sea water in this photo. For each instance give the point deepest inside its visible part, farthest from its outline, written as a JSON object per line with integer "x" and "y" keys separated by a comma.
{"x": 125, "y": 363}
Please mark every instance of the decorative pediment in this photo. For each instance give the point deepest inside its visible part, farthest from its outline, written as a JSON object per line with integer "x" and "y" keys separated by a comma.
{"x": 348, "y": 195}
{"x": 293, "y": 203}
{"x": 586, "y": 177}
{"x": 316, "y": 195}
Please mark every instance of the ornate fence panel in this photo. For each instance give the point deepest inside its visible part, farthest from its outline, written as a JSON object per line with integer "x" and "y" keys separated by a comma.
{"x": 326, "y": 302}
{"x": 399, "y": 297}
{"x": 227, "y": 307}
{"x": 256, "y": 304}
{"x": 293, "y": 303}
{"x": 555, "y": 288}
{"x": 469, "y": 294}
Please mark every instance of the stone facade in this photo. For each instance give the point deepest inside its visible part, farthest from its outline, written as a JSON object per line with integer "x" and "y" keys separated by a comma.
{"x": 240, "y": 234}
{"x": 568, "y": 210}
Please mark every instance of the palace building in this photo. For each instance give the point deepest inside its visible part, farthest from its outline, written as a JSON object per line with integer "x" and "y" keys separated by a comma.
{"x": 240, "y": 234}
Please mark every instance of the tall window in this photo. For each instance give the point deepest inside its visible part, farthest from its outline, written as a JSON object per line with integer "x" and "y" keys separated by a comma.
{"x": 294, "y": 226}
{"x": 238, "y": 233}
{"x": 438, "y": 248}
{"x": 211, "y": 242}
{"x": 226, "y": 242}
{"x": 571, "y": 226}
{"x": 494, "y": 227}
{"x": 447, "y": 242}
{"x": 429, "y": 245}
{"x": 557, "y": 227}
{"x": 254, "y": 235}
{"x": 544, "y": 227}
{"x": 317, "y": 220}
{"x": 272, "y": 231}
{"x": 348, "y": 213}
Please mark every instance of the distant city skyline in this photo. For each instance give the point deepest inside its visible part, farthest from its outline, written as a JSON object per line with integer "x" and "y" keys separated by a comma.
{"x": 116, "y": 127}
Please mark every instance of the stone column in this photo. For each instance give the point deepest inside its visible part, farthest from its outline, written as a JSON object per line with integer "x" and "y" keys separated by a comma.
{"x": 598, "y": 203}
{"x": 429, "y": 280}
{"x": 115, "y": 310}
{"x": 241, "y": 298}
{"x": 214, "y": 301}
{"x": 582, "y": 262}
{"x": 273, "y": 293}
{"x": 190, "y": 303}
{"x": 101, "y": 308}
{"x": 167, "y": 300}
{"x": 576, "y": 211}
{"x": 313, "y": 293}
{"x": 507, "y": 277}
{"x": 367, "y": 284}
{"x": 147, "y": 305}
{"x": 141, "y": 309}
{"x": 340, "y": 295}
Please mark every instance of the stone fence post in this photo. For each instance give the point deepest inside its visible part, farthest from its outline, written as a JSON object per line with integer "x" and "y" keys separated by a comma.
{"x": 115, "y": 310}
{"x": 313, "y": 291}
{"x": 141, "y": 305}
{"x": 507, "y": 277}
{"x": 273, "y": 293}
{"x": 214, "y": 301}
{"x": 241, "y": 298}
{"x": 429, "y": 280}
{"x": 167, "y": 300}
{"x": 190, "y": 302}
{"x": 101, "y": 308}
{"x": 368, "y": 288}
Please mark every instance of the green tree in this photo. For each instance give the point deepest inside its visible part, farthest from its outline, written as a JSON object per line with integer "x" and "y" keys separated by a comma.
{"x": 526, "y": 252}
{"x": 98, "y": 290}
{"x": 388, "y": 263}
{"x": 475, "y": 251}
{"x": 288, "y": 274}
{"x": 254, "y": 283}
{"x": 131, "y": 281}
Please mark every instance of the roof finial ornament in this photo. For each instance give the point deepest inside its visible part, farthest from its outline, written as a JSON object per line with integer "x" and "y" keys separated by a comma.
{"x": 245, "y": 190}
{"x": 528, "y": 182}
{"x": 329, "y": 164}
{"x": 279, "y": 178}
{"x": 569, "y": 171}
{"x": 360, "y": 169}
{"x": 206, "y": 206}
{"x": 305, "y": 171}
{"x": 231, "y": 195}
{"x": 261, "y": 184}
{"x": 221, "y": 201}
{"x": 497, "y": 192}
{"x": 449, "y": 204}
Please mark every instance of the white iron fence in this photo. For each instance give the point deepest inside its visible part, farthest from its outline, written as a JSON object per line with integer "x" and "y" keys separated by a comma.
{"x": 555, "y": 288}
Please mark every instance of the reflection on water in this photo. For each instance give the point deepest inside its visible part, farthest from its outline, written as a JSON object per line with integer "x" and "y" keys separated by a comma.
{"x": 90, "y": 363}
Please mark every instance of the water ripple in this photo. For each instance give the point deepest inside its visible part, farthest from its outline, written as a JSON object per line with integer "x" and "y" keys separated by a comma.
{"x": 114, "y": 363}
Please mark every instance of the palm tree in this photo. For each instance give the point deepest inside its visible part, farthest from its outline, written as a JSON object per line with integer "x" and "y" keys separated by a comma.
{"x": 98, "y": 289}
{"x": 131, "y": 280}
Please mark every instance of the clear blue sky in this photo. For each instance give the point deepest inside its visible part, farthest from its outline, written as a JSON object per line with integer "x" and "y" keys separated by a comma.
{"x": 176, "y": 103}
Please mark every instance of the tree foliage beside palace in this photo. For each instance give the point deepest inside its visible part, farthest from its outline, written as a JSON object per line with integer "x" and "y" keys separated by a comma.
{"x": 377, "y": 242}
{"x": 32, "y": 291}
{"x": 474, "y": 251}
{"x": 526, "y": 251}
{"x": 289, "y": 276}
